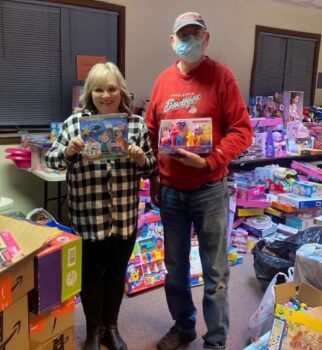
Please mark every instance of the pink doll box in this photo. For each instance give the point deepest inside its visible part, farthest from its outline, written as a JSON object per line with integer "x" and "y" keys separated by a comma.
{"x": 193, "y": 135}
{"x": 291, "y": 105}
{"x": 251, "y": 192}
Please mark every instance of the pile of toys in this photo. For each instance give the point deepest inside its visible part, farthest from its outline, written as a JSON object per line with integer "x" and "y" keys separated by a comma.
{"x": 273, "y": 203}
{"x": 282, "y": 126}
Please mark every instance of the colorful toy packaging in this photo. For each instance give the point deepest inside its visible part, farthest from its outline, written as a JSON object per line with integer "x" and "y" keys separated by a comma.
{"x": 146, "y": 266}
{"x": 194, "y": 135}
{"x": 105, "y": 136}
{"x": 290, "y": 104}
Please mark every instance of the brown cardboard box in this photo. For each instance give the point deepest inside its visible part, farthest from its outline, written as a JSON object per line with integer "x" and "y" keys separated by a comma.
{"x": 62, "y": 341}
{"x": 14, "y": 326}
{"x": 46, "y": 326}
{"x": 18, "y": 279}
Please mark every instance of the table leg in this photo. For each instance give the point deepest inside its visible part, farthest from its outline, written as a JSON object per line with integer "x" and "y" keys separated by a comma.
{"x": 45, "y": 195}
{"x": 59, "y": 202}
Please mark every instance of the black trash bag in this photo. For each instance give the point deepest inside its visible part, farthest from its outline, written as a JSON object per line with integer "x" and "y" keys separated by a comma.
{"x": 279, "y": 256}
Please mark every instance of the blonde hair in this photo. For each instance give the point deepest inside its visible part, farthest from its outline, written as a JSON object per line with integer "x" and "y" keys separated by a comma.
{"x": 96, "y": 73}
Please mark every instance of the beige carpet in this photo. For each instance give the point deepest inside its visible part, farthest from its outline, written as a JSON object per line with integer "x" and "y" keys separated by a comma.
{"x": 144, "y": 317}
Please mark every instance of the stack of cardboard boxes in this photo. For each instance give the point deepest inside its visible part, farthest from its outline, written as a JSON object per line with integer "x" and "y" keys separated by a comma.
{"x": 37, "y": 290}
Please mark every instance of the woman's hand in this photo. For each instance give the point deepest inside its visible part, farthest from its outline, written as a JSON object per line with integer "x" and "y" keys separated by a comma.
{"x": 75, "y": 146}
{"x": 137, "y": 154}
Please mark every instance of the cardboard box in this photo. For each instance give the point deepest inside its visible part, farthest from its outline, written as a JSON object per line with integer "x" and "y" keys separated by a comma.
{"x": 14, "y": 326}
{"x": 57, "y": 272}
{"x": 17, "y": 279}
{"x": 50, "y": 325}
{"x": 63, "y": 341}
{"x": 307, "y": 294}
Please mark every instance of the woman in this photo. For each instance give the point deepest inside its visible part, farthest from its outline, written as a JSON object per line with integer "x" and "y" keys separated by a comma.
{"x": 103, "y": 201}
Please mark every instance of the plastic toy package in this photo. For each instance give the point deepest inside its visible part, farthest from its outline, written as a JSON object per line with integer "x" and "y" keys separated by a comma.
{"x": 193, "y": 135}
{"x": 105, "y": 136}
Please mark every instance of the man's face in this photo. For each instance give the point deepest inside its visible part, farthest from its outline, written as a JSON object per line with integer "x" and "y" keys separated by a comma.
{"x": 194, "y": 30}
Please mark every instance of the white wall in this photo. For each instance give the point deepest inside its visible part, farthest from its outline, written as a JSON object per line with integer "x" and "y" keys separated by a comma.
{"x": 231, "y": 24}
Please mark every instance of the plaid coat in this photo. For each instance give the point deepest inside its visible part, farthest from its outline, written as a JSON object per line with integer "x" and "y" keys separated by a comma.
{"x": 102, "y": 194}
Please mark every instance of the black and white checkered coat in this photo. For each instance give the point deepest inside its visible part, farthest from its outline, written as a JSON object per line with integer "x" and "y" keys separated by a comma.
{"x": 102, "y": 194}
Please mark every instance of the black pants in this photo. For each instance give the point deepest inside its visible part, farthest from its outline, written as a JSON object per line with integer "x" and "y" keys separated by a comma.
{"x": 104, "y": 266}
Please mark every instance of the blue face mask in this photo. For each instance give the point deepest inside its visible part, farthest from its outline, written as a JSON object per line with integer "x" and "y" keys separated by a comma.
{"x": 190, "y": 49}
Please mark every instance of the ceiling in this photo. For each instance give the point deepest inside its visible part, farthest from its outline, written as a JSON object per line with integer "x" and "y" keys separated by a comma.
{"x": 314, "y": 4}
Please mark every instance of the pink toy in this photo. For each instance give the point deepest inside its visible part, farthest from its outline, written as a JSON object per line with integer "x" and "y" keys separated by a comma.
{"x": 173, "y": 131}
{"x": 307, "y": 168}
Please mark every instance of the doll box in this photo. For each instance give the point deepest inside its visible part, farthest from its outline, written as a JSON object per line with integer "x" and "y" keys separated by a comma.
{"x": 105, "y": 136}
{"x": 291, "y": 104}
{"x": 193, "y": 135}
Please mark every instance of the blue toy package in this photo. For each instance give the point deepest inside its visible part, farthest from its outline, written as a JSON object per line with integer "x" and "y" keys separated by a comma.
{"x": 260, "y": 344}
{"x": 105, "y": 136}
{"x": 42, "y": 217}
{"x": 53, "y": 223}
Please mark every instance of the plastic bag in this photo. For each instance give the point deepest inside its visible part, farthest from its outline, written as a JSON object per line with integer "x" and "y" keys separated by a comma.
{"x": 279, "y": 256}
{"x": 262, "y": 319}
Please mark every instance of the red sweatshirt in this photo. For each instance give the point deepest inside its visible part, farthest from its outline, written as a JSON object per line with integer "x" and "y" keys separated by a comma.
{"x": 210, "y": 90}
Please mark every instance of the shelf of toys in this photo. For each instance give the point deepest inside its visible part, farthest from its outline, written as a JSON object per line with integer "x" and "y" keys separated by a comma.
{"x": 276, "y": 190}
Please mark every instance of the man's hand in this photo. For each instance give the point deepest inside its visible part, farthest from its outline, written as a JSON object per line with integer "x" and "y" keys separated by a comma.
{"x": 75, "y": 146}
{"x": 190, "y": 159}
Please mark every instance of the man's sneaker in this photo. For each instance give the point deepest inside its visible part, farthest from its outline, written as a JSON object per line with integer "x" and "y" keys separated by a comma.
{"x": 176, "y": 338}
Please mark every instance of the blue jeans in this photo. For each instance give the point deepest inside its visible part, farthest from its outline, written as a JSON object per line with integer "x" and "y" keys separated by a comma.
{"x": 207, "y": 208}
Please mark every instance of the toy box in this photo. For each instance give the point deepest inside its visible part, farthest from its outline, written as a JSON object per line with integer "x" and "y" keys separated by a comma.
{"x": 57, "y": 272}
{"x": 196, "y": 275}
{"x": 301, "y": 221}
{"x": 262, "y": 107}
{"x": 307, "y": 188}
{"x": 146, "y": 265}
{"x": 298, "y": 201}
{"x": 194, "y": 135}
{"x": 105, "y": 136}
{"x": 290, "y": 104}
{"x": 252, "y": 192}
{"x": 38, "y": 153}
{"x": 297, "y": 329}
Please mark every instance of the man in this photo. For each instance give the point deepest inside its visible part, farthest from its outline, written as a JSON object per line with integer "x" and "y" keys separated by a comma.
{"x": 193, "y": 188}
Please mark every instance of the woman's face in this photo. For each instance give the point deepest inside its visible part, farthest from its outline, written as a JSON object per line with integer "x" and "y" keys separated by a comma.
{"x": 106, "y": 95}
{"x": 296, "y": 99}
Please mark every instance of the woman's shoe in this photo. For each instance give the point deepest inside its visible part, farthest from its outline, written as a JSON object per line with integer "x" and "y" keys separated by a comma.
{"x": 112, "y": 339}
{"x": 93, "y": 338}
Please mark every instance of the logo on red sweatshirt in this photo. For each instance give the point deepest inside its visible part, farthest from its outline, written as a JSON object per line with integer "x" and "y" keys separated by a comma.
{"x": 186, "y": 102}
